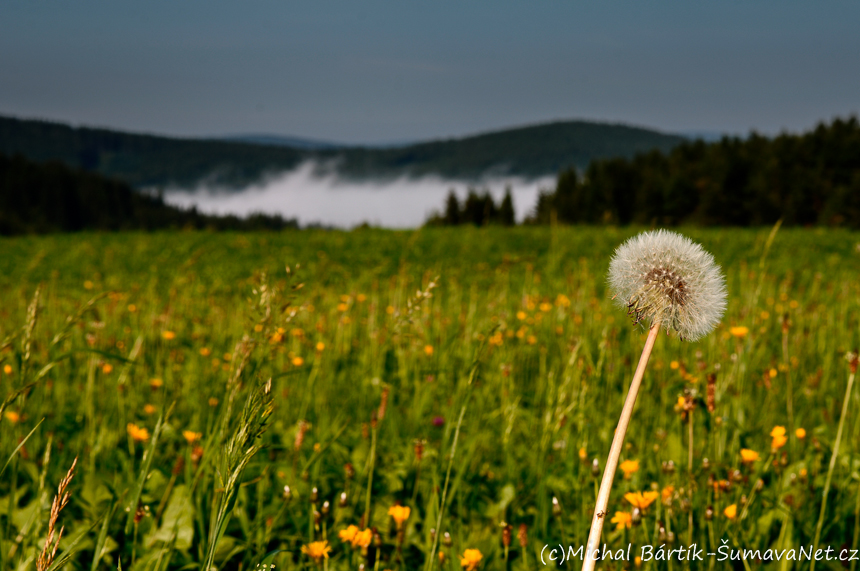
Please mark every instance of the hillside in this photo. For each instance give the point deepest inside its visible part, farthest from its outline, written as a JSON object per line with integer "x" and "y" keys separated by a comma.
{"x": 150, "y": 161}
{"x": 38, "y": 198}
{"x": 531, "y": 151}
{"x": 804, "y": 179}
{"x": 144, "y": 160}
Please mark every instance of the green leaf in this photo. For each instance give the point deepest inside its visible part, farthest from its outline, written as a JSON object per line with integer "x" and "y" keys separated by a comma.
{"x": 20, "y": 446}
{"x": 178, "y": 520}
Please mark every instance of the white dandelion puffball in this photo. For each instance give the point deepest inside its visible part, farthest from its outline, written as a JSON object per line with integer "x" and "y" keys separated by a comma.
{"x": 664, "y": 278}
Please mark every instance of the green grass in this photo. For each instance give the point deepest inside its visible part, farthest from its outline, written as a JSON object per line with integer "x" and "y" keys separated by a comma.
{"x": 524, "y": 313}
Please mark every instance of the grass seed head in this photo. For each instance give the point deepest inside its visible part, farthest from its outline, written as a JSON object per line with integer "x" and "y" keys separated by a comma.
{"x": 663, "y": 277}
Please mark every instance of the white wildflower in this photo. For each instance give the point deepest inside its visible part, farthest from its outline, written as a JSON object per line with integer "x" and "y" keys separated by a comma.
{"x": 664, "y": 278}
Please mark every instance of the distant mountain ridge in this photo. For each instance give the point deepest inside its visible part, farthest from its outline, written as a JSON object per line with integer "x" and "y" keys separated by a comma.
{"x": 282, "y": 141}
{"x": 146, "y": 161}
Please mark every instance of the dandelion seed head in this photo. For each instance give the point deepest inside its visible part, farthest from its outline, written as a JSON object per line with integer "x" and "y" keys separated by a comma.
{"x": 663, "y": 277}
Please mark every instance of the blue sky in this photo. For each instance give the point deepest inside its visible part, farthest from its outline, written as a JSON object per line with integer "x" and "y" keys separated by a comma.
{"x": 380, "y": 71}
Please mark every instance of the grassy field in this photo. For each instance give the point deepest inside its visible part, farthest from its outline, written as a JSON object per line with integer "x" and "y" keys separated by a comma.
{"x": 229, "y": 395}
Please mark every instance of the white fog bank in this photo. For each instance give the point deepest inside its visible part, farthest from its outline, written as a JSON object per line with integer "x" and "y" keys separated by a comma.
{"x": 332, "y": 201}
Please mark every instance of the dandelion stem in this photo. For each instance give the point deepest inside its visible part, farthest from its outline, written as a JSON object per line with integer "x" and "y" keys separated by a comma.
{"x": 690, "y": 475}
{"x": 615, "y": 450}
{"x": 830, "y": 468}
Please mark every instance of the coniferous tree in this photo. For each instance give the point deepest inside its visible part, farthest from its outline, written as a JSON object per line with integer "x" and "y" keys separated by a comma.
{"x": 506, "y": 209}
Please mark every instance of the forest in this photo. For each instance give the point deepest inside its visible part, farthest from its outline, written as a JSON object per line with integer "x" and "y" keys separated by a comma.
{"x": 804, "y": 180}
{"x": 38, "y": 198}
{"x": 149, "y": 161}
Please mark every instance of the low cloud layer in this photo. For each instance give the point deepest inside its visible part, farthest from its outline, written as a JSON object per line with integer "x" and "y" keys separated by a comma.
{"x": 329, "y": 200}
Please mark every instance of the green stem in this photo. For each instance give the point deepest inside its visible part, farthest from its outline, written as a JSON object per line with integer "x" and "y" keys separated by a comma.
{"x": 370, "y": 477}
{"x": 431, "y": 561}
{"x": 827, "y": 481}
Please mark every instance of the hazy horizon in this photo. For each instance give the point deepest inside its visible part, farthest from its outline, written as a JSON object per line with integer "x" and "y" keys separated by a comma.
{"x": 382, "y": 71}
{"x": 314, "y": 196}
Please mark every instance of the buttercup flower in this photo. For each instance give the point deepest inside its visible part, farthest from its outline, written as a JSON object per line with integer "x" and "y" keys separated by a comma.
{"x": 666, "y": 494}
{"x": 739, "y": 332}
{"x": 731, "y": 512}
{"x": 800, "y": 433}
{"x": 622, "y": 520}
{"x": 640, "y": 500}
{"x": 663, "y": 277}
{"x": 190, "y": 436}
{"x": 137, "y": 433}
{"x": 362, "y": 538}
{"x": 748, "y": 456}
{"x": 779, "y": 438}
{"x": 399, "y": 513}
{"x": 317, "y": 550}
{"x": 629, "y": 467}
{"x": 348, "y": 534}
{"x": 471, "y": 559}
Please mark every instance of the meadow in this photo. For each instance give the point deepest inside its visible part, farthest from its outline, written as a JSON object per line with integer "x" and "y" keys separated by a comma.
{"x": 232, "y": 396}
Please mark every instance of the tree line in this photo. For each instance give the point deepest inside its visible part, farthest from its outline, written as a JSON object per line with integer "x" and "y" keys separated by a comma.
{"x": 807, "y": 179}
{"x": 52, "y": 197}
{"x": 478, "y": 209}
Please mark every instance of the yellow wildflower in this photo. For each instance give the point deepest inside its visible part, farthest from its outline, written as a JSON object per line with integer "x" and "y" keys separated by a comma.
{"x": 156, "y": 383}
{"x": 545, "y": 307}
{"x": 107, "y": 368}
{"x": 800, "y": 433}
{"x": 622, "y": 520}
{"x": 168, "y": 335}
{"x": 137, "y": 433}
{"x": 731, "y": 512}
{"x": 399, "y": 513}
{"x": 191, "y": 437}
{"x": 348, "y": 534}
{"x": 739, "y": 332}
{"x": 12, "y": 416}
{"x": 7, "y": 369}
{"x": 205, "y": 352}
{"x": 428, "y": 350}
{"x": 320, "y": 347}
{"x": 298, "y": 361}
{"x": 640, "y": 500}
{"x": 132, "y": 308}
{"x": 317, "y": 550}
{"x": 666, "y": 493}
{"x": 674, "y": 365}
{"x": 748, "y": 456}
{"x": 521, "y": 315}
{"x": 779, "y": 438}
{"x": 362, "y": 538}
{"x": 772, "y": 373}
{"x": 149, "y": 409}
{"x": 470, "y": 559}
{"x": 629, "y": 467}
{"x": 583, "y": 455}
